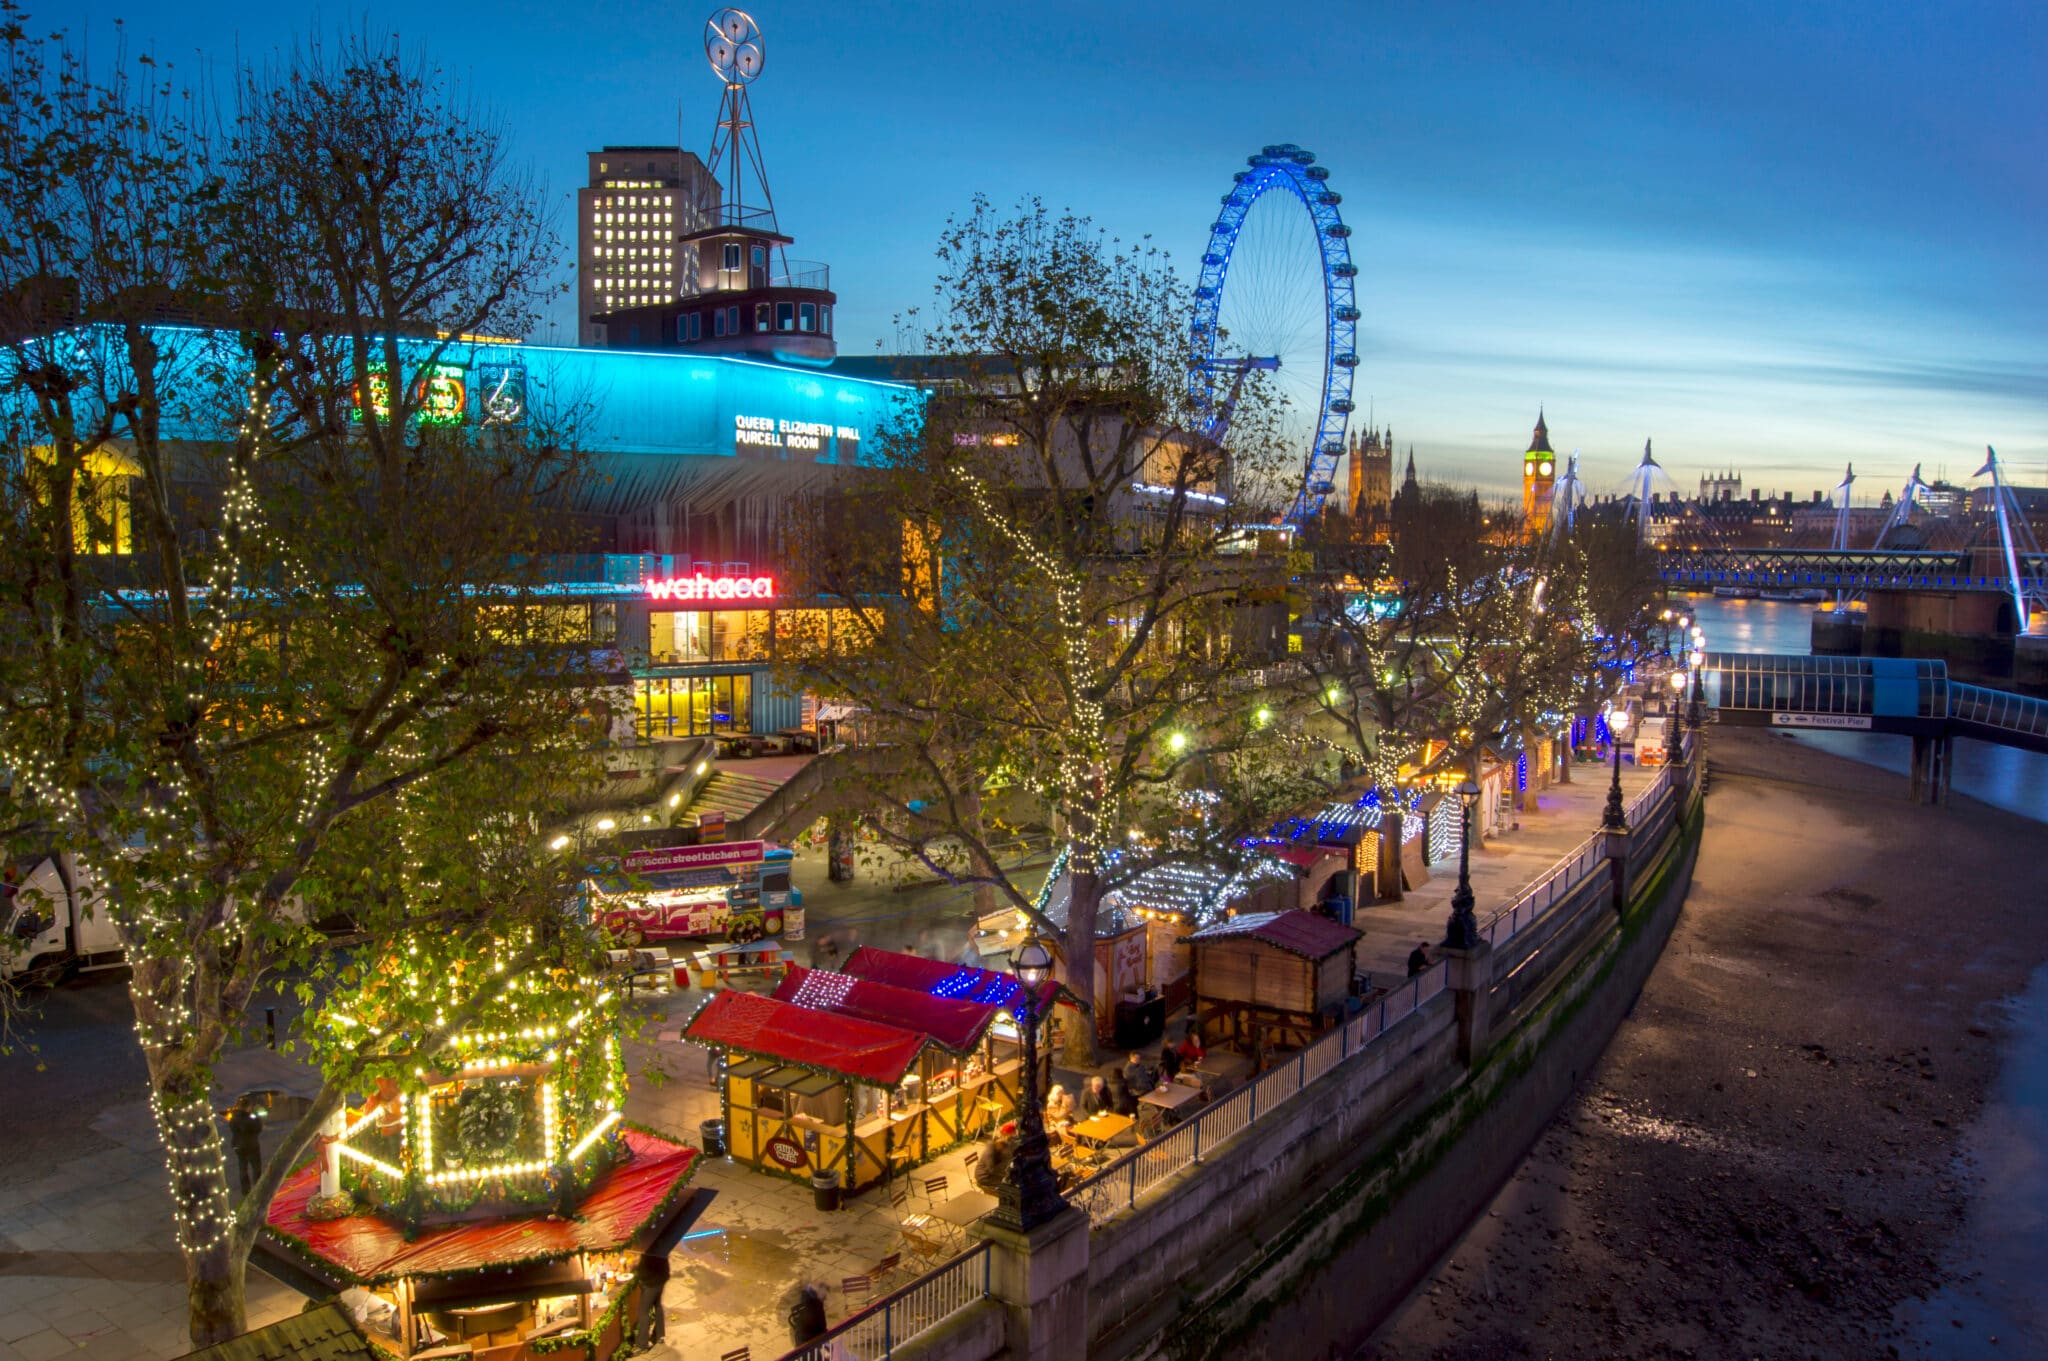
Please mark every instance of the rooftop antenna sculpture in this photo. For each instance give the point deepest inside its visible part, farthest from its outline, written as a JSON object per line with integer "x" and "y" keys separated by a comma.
{"x": 733, "y": 42}
{"x": 2015, "y": 538}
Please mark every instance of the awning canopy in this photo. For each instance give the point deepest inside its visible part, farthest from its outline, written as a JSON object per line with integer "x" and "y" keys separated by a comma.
{"x": 626, "y": 1204}
{"x": 766, "y": 1027}
{"x": 936, "y": 978}
{"x": 954, "y": 1024}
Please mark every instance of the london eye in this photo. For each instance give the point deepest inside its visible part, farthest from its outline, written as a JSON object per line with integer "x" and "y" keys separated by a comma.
{"x": 1277, "y": 293}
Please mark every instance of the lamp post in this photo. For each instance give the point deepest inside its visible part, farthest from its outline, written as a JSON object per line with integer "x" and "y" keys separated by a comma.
{"x": 1613, "y": 819}
{"x": 1462, "y": 931}
{"x": 1692, "y": 711}
{"x": 1677, "y": 690}
{"x": 1030, "y": 1194}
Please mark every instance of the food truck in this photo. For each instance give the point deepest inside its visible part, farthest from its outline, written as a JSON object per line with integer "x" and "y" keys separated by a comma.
{"x": 736, "y": 890}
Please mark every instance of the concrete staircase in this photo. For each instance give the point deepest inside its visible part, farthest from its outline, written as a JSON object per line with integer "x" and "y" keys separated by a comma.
{"x": 732, "y": 794}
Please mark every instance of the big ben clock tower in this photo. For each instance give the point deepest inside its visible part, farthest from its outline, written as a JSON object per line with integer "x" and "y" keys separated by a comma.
{"x": 1539, "y": 470}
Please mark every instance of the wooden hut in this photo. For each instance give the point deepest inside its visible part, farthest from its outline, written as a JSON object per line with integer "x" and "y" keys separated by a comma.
{"x": 1270, "y": 980}
{"x": 853, "y": 1073}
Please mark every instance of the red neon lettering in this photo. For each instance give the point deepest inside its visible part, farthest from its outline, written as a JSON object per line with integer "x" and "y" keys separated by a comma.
{"x": 701, "y": 587}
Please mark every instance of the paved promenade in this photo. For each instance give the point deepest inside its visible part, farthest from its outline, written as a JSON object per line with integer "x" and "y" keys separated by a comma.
{"x": 89, "y": 1269}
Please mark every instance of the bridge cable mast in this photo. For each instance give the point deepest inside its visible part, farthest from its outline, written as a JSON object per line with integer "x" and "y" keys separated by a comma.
{"x": 1841, "y": 544}
{"x": 2014, "y": 537}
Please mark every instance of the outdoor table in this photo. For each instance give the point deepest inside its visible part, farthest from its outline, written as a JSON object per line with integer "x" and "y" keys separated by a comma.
{"x": 1153, "y": 1107}
{"x": 926, "y": 1235}
{"x": 966, "y": 1207}
{"x": 1098, "y": 1130}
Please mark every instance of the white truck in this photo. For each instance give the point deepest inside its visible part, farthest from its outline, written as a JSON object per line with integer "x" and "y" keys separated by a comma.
{"x": 52, "y": 929}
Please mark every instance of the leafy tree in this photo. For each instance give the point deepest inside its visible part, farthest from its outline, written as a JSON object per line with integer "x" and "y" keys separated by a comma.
{"x": 1075, "y": 605}
{"x": 252, "y": 676}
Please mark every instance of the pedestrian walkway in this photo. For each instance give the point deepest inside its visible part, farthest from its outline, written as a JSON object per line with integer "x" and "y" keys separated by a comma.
{"x": 1563, "y": 816}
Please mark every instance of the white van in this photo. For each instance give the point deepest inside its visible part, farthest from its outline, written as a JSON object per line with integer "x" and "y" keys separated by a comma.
{"x": 53, "y": 930}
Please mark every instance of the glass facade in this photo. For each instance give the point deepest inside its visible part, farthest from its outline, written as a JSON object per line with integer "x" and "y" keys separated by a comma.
{"x": 690, "y": 706}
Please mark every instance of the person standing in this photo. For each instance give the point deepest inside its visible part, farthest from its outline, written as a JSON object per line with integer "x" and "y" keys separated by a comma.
{"x": 245, "y": 1135}
{"x": 650, "y": 1325}
{"x": 807, "y": 1316}
{"x": 1418, "y": 958}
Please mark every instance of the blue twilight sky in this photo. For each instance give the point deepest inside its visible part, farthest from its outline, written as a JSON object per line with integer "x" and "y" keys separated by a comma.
{"x": 1777, "y": 237}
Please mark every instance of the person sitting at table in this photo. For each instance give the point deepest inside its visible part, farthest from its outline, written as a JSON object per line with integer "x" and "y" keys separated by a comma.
{"x": 1139, "y": 1078}
{"x": 1190, "y": 1049}
{"x": 1122, "y": 1100}
{"x": 1059, "y": 1110}
{"x": 994, "y": 1163}
{"x": 1169, "y": 1063}
{"x": 1094, "y": 1098}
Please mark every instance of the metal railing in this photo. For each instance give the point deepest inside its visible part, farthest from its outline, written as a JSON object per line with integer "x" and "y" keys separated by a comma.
{"x": 1116, "y": 1188}
{"x": 1998, "y": 709}
{"x": 876, "y": 1331}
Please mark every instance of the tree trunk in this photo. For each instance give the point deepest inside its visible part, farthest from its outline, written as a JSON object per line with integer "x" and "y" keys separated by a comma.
{"x": 202, "y": 1207}
{"x": 1391, "y": 819}
{"x": 216, "y": 1298}
{"x": 1084, "y": 898}
{"x": 180, "y": 1097}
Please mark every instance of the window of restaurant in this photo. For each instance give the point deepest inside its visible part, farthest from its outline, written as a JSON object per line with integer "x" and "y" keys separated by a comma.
{"x": 689, "y": 706}
{"x": 683, "y": 636}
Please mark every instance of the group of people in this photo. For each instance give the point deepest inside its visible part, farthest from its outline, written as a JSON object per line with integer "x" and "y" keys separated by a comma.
{"x": 1119, "y": 1092}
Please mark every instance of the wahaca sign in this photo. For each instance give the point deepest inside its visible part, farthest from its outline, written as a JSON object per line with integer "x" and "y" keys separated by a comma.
{"x": 701, "y": 587}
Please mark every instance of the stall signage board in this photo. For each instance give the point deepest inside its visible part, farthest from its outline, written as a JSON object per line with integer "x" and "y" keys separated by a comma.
{"x": 665, "y": 858}
{"x": 784, "y": 1153}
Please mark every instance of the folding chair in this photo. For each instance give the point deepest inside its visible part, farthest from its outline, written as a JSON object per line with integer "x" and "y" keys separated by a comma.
{"x": 738, "y": 1354}
{"x": 899, "y": 1195}
{"x": 886, "y": 1268}
{"x": 934, "y": 1189}
{"x": 856, "y": 1288}
{"x": 972, "y": 1159}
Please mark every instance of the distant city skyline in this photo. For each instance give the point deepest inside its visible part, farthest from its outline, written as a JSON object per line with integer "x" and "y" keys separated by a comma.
{"x": 1773, "y": 238}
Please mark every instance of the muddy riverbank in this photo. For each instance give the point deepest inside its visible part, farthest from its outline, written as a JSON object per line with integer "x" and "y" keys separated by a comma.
{"x": 1767, "y": 1161}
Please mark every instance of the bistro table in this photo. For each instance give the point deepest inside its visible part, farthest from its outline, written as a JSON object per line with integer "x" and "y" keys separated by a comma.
{"x": 965, "y": 1208}
{"x": 1154, "y": 1108}
{"x": 1098, "y": 1130}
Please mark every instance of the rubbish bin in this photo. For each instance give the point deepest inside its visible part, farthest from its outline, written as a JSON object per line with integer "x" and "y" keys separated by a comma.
{"x": 711, "y": 1134}
{"x": 825, "y": 1189}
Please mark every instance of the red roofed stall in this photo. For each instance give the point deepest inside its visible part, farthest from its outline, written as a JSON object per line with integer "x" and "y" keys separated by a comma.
{"x": 864, "y": 1073}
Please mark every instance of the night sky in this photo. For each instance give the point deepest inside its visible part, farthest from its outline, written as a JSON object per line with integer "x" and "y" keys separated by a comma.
{"x": 1776, "y": 237}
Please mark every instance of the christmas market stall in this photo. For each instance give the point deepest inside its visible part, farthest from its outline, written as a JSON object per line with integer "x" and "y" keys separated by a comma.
{"x": 1270, "y": 980}
{"x": 484, "y": 1199}
{"x": 1141, "y": 958}
{"x": 866, "y": 1072}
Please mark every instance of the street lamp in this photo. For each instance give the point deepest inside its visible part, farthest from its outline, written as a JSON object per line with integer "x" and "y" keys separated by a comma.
{"x": 1462, "y": 931}
{"x": 1613, "y": 819}
{"x": 1677, "y": 688}
{"x": 1030, "y": 1194}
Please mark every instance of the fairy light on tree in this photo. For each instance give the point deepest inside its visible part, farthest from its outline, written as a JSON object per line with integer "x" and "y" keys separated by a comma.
{"x": 246, "y": 682}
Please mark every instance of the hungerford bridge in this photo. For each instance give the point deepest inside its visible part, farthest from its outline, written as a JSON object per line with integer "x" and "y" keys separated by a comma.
{"x": 1903, "y": 695}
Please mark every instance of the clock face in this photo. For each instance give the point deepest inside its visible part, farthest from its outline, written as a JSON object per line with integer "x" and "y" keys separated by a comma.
{"x": 1545, "y": 469}
{"x": 1529, "y": 469}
